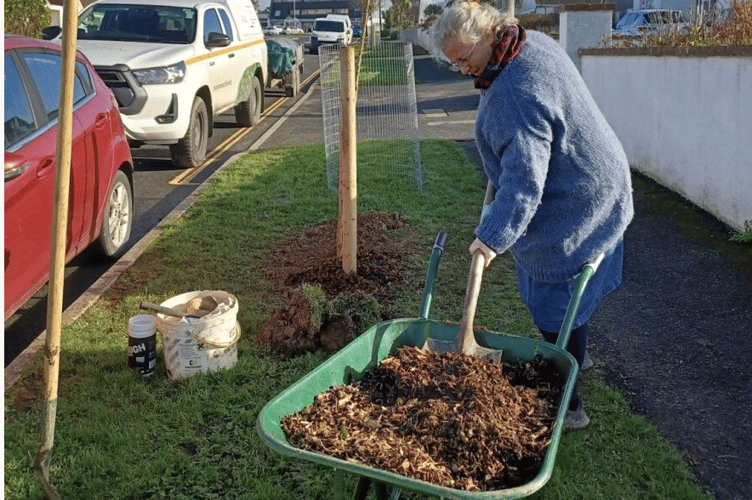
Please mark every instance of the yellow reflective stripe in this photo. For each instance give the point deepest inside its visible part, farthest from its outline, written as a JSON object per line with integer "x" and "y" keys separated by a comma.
{"x": 222, "y": 52}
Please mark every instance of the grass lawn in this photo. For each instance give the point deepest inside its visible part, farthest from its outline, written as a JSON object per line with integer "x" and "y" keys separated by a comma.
{"x": 119, "y": 436}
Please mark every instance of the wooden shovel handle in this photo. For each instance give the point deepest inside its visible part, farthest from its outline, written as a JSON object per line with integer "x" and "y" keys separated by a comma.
{"x": 168, "y": 311}
{"x": 466, "y": 337}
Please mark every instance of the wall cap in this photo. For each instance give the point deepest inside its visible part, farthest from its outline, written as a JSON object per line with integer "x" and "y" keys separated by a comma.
{"x": 705, "y": 51}
{"x": 575, "y": 7}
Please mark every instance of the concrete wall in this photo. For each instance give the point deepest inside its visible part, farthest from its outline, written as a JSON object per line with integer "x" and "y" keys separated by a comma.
{"x": 417, "y": 36}
{"x": 684, "y": 119}
{"x": 584, "y": 25}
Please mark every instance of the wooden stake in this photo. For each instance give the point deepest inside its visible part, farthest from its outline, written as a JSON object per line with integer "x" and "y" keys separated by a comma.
{"x": 347, "y": 226}
{"x": 57, "y": 251}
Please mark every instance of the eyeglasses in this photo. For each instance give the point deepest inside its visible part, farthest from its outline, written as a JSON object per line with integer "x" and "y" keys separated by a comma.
{"x": 464, "y": 60}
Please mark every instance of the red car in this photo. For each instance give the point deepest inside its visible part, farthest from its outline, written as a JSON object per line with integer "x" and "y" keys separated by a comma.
{"x": 101, "y": 182}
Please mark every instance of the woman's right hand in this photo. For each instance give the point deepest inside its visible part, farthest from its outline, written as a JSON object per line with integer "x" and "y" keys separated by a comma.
{"x": 479, "y": 246}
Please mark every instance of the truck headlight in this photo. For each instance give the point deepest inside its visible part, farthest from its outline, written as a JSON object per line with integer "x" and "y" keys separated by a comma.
{"x": 161, "y": 75}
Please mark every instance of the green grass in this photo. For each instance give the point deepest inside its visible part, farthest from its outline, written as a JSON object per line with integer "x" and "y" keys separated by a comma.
{"x": 119, "y": 436}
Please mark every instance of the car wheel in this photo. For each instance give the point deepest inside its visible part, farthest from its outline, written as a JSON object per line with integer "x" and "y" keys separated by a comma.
{"x": 118, "y": 217}
{"x": 248, "y": 113}
{"x": 190, "y": 151}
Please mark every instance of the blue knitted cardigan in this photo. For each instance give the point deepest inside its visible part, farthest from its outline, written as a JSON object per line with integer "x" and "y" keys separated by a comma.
{"x": 563, "y": 188}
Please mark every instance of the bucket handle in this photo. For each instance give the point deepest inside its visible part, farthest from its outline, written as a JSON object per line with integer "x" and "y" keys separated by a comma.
{"x": 202, "y": 340}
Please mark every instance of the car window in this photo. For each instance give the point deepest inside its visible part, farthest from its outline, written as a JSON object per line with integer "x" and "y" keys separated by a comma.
{"x": 45, "y": 70}
{"x": 226, "y": 22}
{"x": 211, "y": 23}
{"x": 19, "y": 122}
{"x": 332, "y": 26}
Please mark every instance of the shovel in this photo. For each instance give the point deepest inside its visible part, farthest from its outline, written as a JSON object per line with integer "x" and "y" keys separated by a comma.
{"x": 465, "y": 340}
{"x": 196, "y": 308}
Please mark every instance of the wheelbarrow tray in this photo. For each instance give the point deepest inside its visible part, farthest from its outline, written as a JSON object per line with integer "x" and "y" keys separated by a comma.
{"x": 378, "y": 342}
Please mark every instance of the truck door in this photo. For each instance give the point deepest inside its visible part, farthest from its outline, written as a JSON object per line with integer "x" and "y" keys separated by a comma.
{"x": 224, "y": 62}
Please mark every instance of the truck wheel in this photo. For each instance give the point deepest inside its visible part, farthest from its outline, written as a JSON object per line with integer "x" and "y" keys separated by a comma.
{"x": 190, "y": 151}
{"x": 248, "y": 113}
{"x": 314, "y": 48}
{"x": 118, "y": 217}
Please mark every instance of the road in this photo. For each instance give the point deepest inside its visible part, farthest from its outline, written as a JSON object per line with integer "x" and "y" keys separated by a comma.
{"x": 160, "y": 187}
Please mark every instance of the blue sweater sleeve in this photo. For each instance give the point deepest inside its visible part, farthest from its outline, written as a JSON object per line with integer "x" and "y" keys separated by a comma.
{"x": 517, "y": 134}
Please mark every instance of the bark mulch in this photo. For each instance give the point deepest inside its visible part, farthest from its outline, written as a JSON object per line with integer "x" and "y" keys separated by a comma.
{"x": 449, "y": 419}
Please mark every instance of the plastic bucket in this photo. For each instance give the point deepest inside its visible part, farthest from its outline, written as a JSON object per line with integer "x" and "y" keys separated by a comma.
{"x": 195, "y": 345}
{"x": 142, "y": 344}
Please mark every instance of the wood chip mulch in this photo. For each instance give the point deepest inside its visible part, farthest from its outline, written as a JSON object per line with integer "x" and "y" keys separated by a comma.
{"x": 449, "y": 419}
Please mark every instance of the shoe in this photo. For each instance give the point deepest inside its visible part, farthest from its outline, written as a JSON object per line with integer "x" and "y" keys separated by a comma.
{"x": 576, "y": 419}
{"x": 587, "y": 363}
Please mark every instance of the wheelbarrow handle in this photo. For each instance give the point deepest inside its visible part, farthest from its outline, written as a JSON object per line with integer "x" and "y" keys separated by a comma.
{"x": 433, "y": 265}
{"x": 574, "y": 303}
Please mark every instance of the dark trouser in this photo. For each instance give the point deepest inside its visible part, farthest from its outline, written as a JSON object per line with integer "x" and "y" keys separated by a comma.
{"x": 576, "y": 347}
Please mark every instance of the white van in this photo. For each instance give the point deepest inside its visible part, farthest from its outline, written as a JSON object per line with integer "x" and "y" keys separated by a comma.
{"x": 328, "y": 30}
{"x": 174, "y": 65}
{"x": 341, "y": 17}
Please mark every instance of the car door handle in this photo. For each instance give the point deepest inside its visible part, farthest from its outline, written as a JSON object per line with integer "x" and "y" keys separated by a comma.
{"x": 101, "y": 121}
{"x": 231, "y": 55}
{"x": 44, "y": 167}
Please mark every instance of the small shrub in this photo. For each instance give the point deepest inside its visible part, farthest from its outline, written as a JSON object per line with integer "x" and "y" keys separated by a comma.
{"x": 26, "y": 17}
{"x": 745, "y": 236}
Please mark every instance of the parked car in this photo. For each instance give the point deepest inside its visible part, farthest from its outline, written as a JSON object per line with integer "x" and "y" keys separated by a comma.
{"x": 101, "y": 170}
{"x": 357, "y": 30}
{"x": 272, "y": 30}
{"x": 292, "y": 30}
{"x": 175, "y": 65}
{"x": 649, "y": 21}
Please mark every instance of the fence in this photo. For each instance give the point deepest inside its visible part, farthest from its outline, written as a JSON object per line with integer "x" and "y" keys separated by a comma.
{"x": 387, "y": 115}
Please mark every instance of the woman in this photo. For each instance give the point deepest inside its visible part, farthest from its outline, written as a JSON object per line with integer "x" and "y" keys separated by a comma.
{"x": 563, "y": 189}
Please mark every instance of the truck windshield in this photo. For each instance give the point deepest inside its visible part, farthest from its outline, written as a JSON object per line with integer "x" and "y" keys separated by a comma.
{"x": 137, "y": 23}
{"x": 332, "y": 26}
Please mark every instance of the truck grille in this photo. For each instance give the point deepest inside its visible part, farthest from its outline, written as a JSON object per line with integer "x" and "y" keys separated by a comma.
{"x": 129, "y": 94}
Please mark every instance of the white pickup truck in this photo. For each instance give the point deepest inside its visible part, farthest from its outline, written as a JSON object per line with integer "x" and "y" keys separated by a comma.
{"x": 174, "y": 65}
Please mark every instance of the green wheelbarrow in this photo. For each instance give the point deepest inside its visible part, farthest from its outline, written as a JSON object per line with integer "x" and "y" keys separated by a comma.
{"x": 365, "y": 352}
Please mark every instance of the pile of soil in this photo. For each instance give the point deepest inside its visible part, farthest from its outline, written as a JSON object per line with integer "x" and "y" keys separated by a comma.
{"x": 311, "y": 258}
{"x": 449, "y": 419}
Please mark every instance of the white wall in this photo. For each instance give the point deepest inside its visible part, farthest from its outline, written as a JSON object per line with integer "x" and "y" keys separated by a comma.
{"x": 685, "y": 122}
{"x": 417, "y": 36}
{"x": 583, "y": 28}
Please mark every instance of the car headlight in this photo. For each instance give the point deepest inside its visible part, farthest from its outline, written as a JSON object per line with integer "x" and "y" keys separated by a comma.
{"x": 161, "y": 75}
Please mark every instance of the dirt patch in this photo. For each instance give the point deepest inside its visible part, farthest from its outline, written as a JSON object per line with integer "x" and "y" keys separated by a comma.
{"x": 451, "y": 427}
{"x": 311, "y": 258}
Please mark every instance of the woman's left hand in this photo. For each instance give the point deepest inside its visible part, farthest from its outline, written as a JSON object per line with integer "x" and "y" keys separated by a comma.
{"x": 479, "y": 246}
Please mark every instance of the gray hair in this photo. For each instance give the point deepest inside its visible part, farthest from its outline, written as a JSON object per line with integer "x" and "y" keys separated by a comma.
{"x": 467, "y": 20}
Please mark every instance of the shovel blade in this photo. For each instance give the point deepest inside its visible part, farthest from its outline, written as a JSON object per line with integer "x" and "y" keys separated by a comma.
{"x": 444, "y": 346}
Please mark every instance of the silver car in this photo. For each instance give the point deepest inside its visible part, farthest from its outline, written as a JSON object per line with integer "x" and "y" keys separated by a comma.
{"x": 650, "y": 22}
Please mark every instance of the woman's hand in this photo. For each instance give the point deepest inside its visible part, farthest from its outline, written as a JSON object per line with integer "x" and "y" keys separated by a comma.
{"x": 479, "y": 246}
